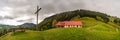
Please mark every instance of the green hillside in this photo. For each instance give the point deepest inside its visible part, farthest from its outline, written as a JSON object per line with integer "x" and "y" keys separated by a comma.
{"x": 92, "y": 30}
{"x": 63, "y": 34}
{"x": 49, "y": 22}
{"x": 92, "y": 24}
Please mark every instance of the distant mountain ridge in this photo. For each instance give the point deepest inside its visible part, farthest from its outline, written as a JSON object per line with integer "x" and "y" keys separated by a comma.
{"x": 3, "y": 26}
{"x": 28, "y": 25}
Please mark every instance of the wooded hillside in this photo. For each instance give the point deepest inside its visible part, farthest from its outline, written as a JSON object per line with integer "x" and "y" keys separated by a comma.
{"x": 49, "y": 22}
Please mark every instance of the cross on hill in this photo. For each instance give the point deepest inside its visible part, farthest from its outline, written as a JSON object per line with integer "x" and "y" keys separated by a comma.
{"x": 37, "y": 13}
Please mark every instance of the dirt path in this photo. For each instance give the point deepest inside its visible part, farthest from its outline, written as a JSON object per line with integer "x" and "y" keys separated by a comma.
{"x": 91, "y": 28}
{"x": 8, "y": 34}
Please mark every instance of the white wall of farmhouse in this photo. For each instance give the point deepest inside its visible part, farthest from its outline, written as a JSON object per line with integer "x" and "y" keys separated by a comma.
{"x": 66, "y": 26}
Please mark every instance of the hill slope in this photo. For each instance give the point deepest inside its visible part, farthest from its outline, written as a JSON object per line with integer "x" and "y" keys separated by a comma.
{"x": 92, "y": 30}
{"x": 92, "y": 24}
{"x": 49, "y": 22}
{"x": 63, "y": 34}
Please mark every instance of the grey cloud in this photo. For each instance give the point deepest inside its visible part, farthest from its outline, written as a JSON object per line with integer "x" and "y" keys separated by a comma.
{"x": 26, "y": 20}
{"x": 9, "y": 17}
{"x": 1, "y": 17}
{"x": 28, "y": 7}
{"x": 61, "y": 5}
{"x": 21, "y": 20}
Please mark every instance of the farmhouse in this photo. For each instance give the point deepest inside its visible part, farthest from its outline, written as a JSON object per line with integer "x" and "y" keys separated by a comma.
{"x": 17, "y": 28}
{"x": 66, "y": 24}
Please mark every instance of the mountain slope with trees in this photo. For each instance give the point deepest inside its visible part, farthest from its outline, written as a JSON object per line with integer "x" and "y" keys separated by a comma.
{"x": 49, "y": 22}
{"x": 28, "y": 25}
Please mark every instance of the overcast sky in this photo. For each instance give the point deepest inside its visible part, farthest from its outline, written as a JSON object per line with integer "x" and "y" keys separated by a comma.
{"x": 16, "y": 12}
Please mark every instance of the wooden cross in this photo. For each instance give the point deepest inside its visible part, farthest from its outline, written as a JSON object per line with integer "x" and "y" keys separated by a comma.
{"x": 37, "y": 12}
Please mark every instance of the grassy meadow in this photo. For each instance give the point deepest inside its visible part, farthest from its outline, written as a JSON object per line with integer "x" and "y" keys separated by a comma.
{"x": 63, "y": 34}
{"x": 92, "y": 30}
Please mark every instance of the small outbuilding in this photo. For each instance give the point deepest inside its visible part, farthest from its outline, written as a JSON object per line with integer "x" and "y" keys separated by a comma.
{"x": 66, "y": 24}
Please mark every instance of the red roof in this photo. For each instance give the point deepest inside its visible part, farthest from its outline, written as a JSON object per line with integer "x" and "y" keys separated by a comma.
{"x": 73, "y": 23}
